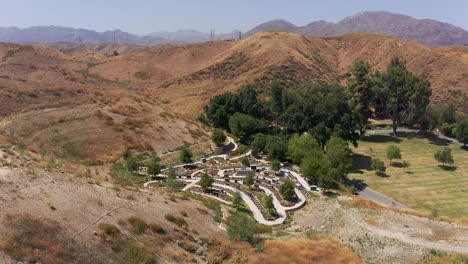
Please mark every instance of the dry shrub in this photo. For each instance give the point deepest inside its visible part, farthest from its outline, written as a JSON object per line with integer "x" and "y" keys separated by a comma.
{"x": 138, "y": 224}
{"x": 33, "y": 149}
{"x": 202, "y": 211}
{"x": 326, "y": 251}
{"x": 33, "y": 240}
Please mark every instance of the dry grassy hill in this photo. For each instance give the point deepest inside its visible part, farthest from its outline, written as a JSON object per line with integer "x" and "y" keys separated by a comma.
{"x": 147, "y": 97}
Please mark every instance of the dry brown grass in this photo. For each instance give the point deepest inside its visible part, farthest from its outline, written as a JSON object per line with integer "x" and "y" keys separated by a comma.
{"x": 39, "y": 241}
{"x": 321, "y": 250}
{"x": 357, "y": 201}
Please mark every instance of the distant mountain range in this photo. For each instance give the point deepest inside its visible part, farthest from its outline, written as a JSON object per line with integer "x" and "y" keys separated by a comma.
{"x": 425, "y": 31}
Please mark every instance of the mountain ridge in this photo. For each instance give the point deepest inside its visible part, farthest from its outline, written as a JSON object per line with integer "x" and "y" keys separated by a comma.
{"x": 428, "y": 32}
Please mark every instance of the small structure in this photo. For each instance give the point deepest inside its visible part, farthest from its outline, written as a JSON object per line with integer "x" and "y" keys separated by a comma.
{"x": 142, "y": 170}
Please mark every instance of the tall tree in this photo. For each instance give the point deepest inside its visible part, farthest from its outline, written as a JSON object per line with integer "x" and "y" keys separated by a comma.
{"x": 408, "y": 95}
{"x": 339, "y": 156}
{"x": 462, "y": 132}
{"x": 300, "y": 146}
{"x": 245, "y": 126}
{"x": 361, "y": 90}
{"x": 276, "y": 95}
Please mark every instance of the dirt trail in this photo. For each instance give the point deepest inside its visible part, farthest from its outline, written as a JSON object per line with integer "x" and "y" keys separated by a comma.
{"x": 380, "y": 235}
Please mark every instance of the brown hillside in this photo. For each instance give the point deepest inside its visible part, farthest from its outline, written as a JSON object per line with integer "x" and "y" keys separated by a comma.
{"x": 147, "y": 97}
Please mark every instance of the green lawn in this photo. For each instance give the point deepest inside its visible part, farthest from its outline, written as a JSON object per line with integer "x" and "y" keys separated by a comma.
{"x": 424, "y": 185}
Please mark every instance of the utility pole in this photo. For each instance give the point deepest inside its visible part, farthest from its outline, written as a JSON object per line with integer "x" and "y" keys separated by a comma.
{"x": 240, "y": 35}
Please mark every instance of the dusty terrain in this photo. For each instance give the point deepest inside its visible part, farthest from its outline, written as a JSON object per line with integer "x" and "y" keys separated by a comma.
{"x": 380, "y": 235}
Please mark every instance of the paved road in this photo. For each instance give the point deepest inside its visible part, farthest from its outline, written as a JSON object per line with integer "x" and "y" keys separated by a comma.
{"x": 372, "y": 195}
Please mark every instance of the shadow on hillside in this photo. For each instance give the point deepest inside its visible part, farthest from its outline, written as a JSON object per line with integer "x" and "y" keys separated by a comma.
{"x": 448, "y": 167}
{"x": 382, "y": 174}
{"x": 361, "y": 162}
{"x": 433, "y": 138}
{"x": 357, "y": 183}
{"x": 398, "y": 164}
{"x": 380, "y": 139}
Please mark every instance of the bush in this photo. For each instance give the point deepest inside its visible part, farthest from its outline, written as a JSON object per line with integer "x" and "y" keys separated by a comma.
{"x": 378, "y": 165}
{"x": 139, "y": 225}
{"x": 157, "y": 229}
{"x": 393, "y": 152}
{"x": 109, "y": 229}
{"x": 176, "y": 220}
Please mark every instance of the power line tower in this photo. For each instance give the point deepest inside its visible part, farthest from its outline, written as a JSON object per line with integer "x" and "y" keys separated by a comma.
{"x": 212, "y": 34}
{"x": 114, "y": 35}
{"x": 240, "y": 35}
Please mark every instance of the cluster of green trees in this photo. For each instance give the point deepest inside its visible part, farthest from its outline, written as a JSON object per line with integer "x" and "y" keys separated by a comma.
{"x": 312, "y": 125}
{"x": 325, "y": 110}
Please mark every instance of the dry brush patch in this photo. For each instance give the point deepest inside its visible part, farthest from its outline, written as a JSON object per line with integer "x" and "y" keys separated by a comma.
{"x": 320, "y": 250}
{"x": 34, "y": 240}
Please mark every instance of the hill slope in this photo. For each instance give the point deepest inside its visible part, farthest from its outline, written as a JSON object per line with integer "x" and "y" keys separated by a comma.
{"x": 147, "y": 97}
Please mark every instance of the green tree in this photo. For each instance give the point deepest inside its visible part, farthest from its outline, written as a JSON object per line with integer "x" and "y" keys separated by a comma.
{"x": 462, "y": 132}
{"x": 206, "y": 182}
{"x": 338, "y": 155}
{"x": 330, "y": 179}
{"x": 276, "y": 148}
{"x": 287, "y": 190}
{"x": 218, "y": 137}
{"x": 393, "y": 152}
{"x": 185, "y": 155}
{"x": 245, "y": 126}
{"x": 245, "y": 161}
{"x": 276, "y": 165}
{"x": 378, "y": 165}
{"x": 361, "y": 90}
{"x": 171, "y": 182}
{"x": 276, "y": 95}
{"x": 154, "y": 168}
{"x": 132, "y": 164}
{"x": 237, "y": 198}
{"x": 259, "y": 144}
{"x": 126, "y": 153}
{"x": 249, "y": 179}
{"x": 300, "y": 146}
{"x": 312, "y": 166}
{"x": 269, "y": 202}
{"x": 240, "y": 227}
{"x": 444, "y": 156}
{"x": 407, "y": 94}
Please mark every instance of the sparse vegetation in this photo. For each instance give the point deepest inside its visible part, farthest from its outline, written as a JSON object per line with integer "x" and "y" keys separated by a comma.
{"x": 180, "y": 221}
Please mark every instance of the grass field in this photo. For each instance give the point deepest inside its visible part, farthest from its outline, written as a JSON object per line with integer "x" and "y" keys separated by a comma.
{"x": 424, "y": 185}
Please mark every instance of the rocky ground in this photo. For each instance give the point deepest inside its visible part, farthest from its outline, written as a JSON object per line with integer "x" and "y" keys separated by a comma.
{"x": 380, "y": 235}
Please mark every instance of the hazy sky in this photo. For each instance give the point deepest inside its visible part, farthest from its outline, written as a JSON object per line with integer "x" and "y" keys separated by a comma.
{"x": 144, "y": 16}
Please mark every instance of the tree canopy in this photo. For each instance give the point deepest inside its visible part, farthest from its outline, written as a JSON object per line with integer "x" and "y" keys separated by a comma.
{"x": 407, "y": 95}
{"x": 185, "y": 155}
{"x": 462, "y": 132}
{"x": 287, "y": 190}
{"x": 206, "y": 182}
{"x": 218, "y": 137}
